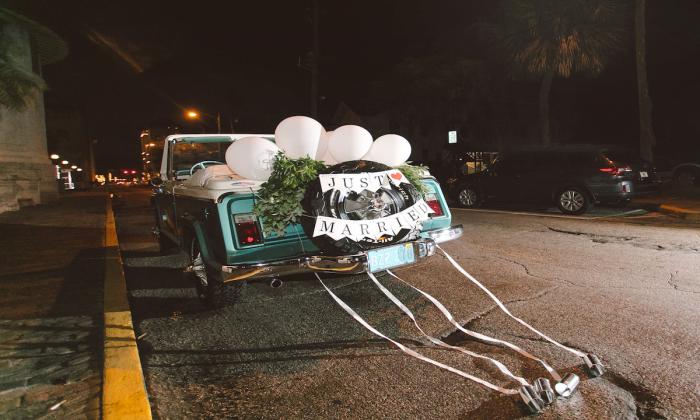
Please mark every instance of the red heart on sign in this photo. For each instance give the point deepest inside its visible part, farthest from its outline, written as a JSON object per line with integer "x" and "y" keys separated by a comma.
{"x": 396, "y": 175}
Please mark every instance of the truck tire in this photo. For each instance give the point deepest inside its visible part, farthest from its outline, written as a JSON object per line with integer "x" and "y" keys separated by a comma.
{"x": 211, "y": 290}
{"x": 354, "y": 206}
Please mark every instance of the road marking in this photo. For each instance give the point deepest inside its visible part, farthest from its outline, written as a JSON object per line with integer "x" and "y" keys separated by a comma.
{"x": 556, "y": 216}
{"x": 683, "y": 213}
{"x": 123, "y": 387}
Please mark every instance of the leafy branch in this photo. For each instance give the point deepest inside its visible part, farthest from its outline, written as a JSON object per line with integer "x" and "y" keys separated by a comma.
{"x": 279, "y": 199}
{"x": 414, "y": 174}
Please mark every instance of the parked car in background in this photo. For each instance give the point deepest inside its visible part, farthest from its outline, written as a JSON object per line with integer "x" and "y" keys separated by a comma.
{"x": 645, "y": 176}
{"x": 573, "y": 178}
{"x": 686, "y": 174}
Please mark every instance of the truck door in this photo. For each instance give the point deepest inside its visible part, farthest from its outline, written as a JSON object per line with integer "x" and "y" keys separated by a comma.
{"x": 164, "y": 198}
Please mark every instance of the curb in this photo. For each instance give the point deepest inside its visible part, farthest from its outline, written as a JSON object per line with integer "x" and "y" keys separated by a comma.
{"x": 123, "y": 386}
{"x": 680, "y": 212}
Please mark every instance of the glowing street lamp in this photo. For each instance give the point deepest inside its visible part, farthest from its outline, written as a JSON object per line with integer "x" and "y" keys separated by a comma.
{"x": 79, "y": 169}
{"x": 64, "y": 162}
{"x": 193, "y": 114}
{"x": 74, "y": 167}
{"x": 54, "y": 156}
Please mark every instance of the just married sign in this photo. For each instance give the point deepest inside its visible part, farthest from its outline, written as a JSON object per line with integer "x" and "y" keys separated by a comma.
{"x": 372, "y": 229}
{"x": 358, "y": 182}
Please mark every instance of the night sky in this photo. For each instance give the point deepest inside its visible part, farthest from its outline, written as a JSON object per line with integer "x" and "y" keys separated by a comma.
{"x": 136, "y": 64}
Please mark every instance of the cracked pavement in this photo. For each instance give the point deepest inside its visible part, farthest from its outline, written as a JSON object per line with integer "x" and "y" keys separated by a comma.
{"x": 624, "y": 291}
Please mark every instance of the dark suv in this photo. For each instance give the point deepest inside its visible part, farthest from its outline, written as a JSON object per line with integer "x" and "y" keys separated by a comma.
{"x": 573, "y": 178}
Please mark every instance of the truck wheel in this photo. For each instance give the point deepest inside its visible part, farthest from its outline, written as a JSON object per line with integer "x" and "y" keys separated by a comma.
{"x": 211, "y": 290}
{"x": 356, "y": 206}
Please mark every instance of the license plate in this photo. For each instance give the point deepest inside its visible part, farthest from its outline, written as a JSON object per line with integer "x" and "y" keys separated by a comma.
{"x": 390, "y": 257}
{"x": 643, "y": 174}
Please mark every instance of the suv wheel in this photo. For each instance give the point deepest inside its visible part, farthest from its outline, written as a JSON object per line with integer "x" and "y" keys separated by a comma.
{"x": 211, "y": 290}
{"x": 468, "y": 197}
{"x": 687, "y": 178}
{"x": 573, "y": 201}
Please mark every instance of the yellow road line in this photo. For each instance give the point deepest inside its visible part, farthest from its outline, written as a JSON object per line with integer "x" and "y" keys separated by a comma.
{"x": 681, "y": 212}
{"x": 123, "y": 387}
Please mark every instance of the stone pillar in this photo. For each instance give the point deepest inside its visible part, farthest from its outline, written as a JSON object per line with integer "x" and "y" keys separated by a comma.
{"x": 26, "y": 174}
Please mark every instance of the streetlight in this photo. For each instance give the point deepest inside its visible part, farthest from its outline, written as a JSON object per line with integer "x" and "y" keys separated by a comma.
{"x": 54, "y": 156}
{"x": 64, "y": 162}
{"x": 79, "y": 169}
{"x": 193, "y": 114}
{"x": 74, "y": 167}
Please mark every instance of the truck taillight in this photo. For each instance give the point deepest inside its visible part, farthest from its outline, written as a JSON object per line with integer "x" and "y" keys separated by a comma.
{"x": 432, "y": 201}
{"x": 247, "y": 229}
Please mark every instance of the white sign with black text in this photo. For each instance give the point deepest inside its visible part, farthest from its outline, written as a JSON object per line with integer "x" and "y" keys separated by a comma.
{"x": 373, "y": 229}
{"x": 363, "y": 181}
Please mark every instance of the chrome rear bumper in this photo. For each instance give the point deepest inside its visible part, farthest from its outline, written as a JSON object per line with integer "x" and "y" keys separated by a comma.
{"x": 342, "y": 264}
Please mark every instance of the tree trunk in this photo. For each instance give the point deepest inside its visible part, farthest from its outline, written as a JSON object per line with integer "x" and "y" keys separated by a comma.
{"x": 545, "y": 88}
{"x": 646, "y": 130}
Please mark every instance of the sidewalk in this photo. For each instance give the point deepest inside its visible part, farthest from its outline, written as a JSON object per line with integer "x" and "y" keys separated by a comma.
{"x": 682, "y": 203}
{"x": 51, "y": 308}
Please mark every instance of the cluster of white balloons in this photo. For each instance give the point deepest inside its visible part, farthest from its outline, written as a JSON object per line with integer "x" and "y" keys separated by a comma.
{"x": 299, "y": 136}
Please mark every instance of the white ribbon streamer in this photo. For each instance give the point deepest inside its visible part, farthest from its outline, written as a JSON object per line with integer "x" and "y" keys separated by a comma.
{"x": 504, "y": 309}
{"x": 411, "y": 352}
{"x": 475, "y": 334}
{"x": 501, "y": 367}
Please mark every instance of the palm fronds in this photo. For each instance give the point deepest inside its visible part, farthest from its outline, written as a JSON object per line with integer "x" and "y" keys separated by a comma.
{"x": 560, "y": 36}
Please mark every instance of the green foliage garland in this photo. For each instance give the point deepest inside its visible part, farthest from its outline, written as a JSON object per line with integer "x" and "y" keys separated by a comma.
{"x": 414, "y": 173}
{"x": 279, "y": 199}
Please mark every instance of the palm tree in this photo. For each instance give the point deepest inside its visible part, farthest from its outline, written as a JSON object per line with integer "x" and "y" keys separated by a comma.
{"x": 548, "y": 38}
{"x": 646, "y": 130}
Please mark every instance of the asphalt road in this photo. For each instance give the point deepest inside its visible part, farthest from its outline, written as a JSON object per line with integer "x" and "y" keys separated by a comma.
{"x": 626, "y": 289}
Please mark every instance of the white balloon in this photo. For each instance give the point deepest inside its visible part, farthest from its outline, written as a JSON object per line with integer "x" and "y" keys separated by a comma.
{"x": 328, "y": 159}
{"x": 298, "y": 136}
{"x": 322, "y": 149}
{"x": 389, "y": 149}
{"x": 252, "y": 157}
{"x": 349, "y": 142}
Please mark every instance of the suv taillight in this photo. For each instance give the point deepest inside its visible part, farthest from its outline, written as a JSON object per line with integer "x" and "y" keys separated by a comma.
{"x": 432, "y": 201}
{"x": 247, "y": 229}
{"x": 616, "y": 171}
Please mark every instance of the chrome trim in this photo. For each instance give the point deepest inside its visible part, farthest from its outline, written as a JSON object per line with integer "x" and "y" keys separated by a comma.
{"x": 448, "y": 234}
{"x": 343, "y": 264}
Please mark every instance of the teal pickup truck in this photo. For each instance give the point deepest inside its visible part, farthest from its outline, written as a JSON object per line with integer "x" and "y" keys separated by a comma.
{"x": 206, "y": 210}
